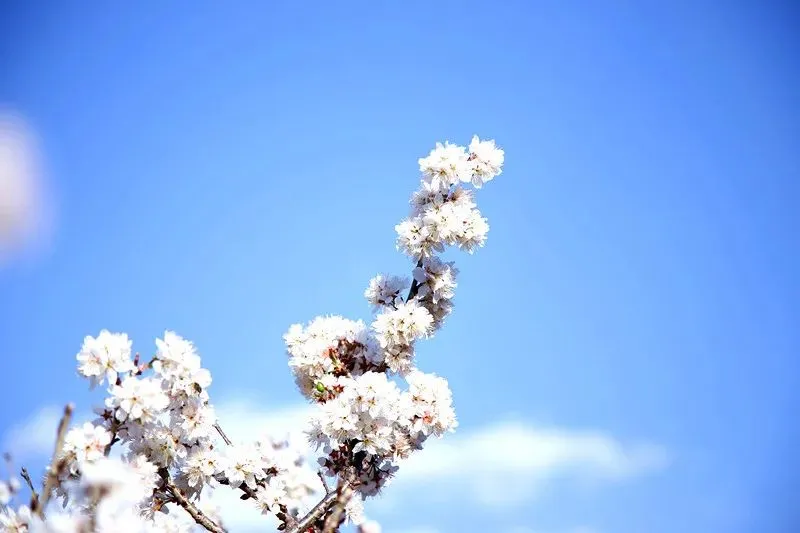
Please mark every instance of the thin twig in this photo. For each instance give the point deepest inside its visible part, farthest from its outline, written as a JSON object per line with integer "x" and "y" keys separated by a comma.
{"x": 222, "y": 434}
{"x": 184, "y": 502}
{"x": 34, "y": 495}
{"x": 324, "y": 481}
{"x": 55, "y": 465}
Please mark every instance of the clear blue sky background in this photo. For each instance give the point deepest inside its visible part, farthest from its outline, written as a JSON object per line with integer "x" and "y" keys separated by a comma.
{"x": 225, "y": 171}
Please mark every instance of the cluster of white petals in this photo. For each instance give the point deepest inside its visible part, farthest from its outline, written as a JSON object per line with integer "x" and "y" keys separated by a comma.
{"x": 155, "y": 451}
{"x": 105, "y": 357}
{"x": 367, "y": 422}
{"x": 385, "y": 291}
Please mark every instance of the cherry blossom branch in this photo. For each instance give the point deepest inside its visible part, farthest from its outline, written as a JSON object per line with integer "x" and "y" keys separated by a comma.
{"x": 56, "y": 464}
{"x": 179, "y": 498}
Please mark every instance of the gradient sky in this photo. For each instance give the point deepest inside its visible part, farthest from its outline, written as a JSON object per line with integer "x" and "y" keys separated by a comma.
{"x": 225, "y": 171}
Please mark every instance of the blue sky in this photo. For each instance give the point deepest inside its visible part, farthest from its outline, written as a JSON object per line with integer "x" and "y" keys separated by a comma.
{"x": 226, "y": 171}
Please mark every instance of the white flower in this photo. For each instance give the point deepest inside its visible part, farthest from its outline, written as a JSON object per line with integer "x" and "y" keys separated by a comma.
{"x": 86, "y": 443}
{"x": 414, "y": 238}
{"x": 445, "y": 165}
{"x": 485, "y": 161}
{"x": 137, "y": 399}
{"x": 175, "y": 355}
{"x": 12, "y": 521}
{"x": 328, "y": 345}
{"x": 403, "y": 325}
{"x": 243, "y": 465}
{"x": 432, "y": 404}
{"x": 271, "y": 495}
{"x": 384, "y": 291}
{"x": 200, "y": 466}
{"x": 105, "y": 357}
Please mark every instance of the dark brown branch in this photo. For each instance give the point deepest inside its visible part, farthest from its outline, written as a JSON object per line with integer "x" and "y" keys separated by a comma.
{"x": 412, "y": 292}
{"x": 115, "y": 425}
{"x": 57, "y": 463}
{"x": 179, "y": 498}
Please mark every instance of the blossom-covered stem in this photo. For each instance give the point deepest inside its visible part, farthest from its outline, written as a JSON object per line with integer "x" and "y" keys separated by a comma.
{"x": 34, "y": 495}
{"x": 179, "y": 498}
{"x": 55, "y": 465}
{"x": 344, "y": 493}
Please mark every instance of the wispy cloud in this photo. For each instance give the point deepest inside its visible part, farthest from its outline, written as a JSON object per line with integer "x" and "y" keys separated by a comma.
{"x": 244, "y": 420}
{"x": 34, "y": 437}
{"x": 504, "y": 464}
{"x": 497, "y": 466}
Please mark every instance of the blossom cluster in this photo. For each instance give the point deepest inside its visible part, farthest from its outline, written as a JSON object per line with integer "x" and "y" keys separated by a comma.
{"x": 159, "y": 417}
{"x": 155, "y": 450}
{"x": 366, "y": 422}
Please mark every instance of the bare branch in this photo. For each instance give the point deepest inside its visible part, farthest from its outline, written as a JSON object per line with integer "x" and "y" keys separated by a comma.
{"x": 222, "y": 434}
{"x": 34, "y": 495}
{"x": 57, "y": 463}
{"x": 324, "y": 481}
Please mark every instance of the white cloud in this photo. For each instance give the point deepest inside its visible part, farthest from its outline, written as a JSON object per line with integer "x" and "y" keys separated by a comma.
{"x": 243, "y": 420}
{"x": 36, "y": 436}
{"x": 504, "y": 464}
{"x": 497, "y": 466}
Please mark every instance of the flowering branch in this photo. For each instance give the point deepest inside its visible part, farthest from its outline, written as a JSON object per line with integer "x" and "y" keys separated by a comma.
{"x": 375, "y": 407}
